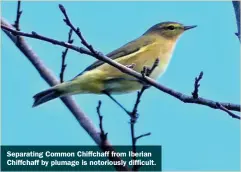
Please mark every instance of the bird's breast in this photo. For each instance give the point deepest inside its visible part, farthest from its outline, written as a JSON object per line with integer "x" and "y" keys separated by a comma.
{"x": 164, "y": 54}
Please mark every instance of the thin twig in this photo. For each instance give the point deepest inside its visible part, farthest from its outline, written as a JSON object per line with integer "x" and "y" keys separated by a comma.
{"x": 180, "y": 96}
{"x": 64, "y": 54}
{"x": 103, "y": 135}
{"x": 236, "y": 6}
{"x": 76, "y": 30}
{"x": 146, "y": 72}
{"x": 228, "y": 111}
{"x": 17, "y": 21}
{"x": 197, "y": 85}
{"x": 19, "y": 12}
{"x": 143, "y": 135}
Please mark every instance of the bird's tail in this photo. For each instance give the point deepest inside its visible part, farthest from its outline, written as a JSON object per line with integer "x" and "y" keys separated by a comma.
{"x": 60, "y": 90}
{"x": 45, "y": 96}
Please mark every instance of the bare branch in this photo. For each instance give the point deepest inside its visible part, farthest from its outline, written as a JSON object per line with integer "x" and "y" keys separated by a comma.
{"x": 228, "y": 111}
{"x": 182, "y": 97}
{"x": 197, "y": 85}
{"x": 47, "y": 75}
{"x": 103, "y": 135}
{"x": 236, "y": 6}
{"x": 76, "y": 30}
{"x": 64, "y": 54}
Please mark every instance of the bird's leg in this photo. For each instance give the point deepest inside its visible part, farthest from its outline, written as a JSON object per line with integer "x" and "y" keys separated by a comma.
{"x": 112, "y": 98}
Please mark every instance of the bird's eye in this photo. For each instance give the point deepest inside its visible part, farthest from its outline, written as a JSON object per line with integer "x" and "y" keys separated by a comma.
{"x": 170, "y": 27}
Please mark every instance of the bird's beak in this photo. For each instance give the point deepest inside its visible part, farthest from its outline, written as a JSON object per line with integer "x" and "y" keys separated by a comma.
{"x": 189, "y": 27}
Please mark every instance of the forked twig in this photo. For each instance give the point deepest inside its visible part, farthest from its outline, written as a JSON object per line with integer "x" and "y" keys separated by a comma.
{"x": 197, "y": 85}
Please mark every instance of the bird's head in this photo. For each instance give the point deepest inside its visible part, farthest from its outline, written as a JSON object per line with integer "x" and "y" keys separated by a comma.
{"x": 168, "y": 30}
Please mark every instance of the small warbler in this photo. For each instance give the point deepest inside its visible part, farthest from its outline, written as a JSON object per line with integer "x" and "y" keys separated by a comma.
{"x": 157, "y": 42}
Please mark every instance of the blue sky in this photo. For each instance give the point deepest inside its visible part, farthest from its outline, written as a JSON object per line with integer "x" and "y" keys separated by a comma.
{"x": 193, "y": 137}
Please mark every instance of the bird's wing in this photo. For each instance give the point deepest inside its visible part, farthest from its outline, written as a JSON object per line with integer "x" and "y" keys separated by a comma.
{"x": 126, "y": 49}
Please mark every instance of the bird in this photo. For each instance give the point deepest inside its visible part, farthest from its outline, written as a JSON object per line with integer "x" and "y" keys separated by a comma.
{"x": 158, "y": 42}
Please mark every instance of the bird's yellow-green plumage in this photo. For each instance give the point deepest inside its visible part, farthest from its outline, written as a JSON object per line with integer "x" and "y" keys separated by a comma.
{"x": 157, "y": 42}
